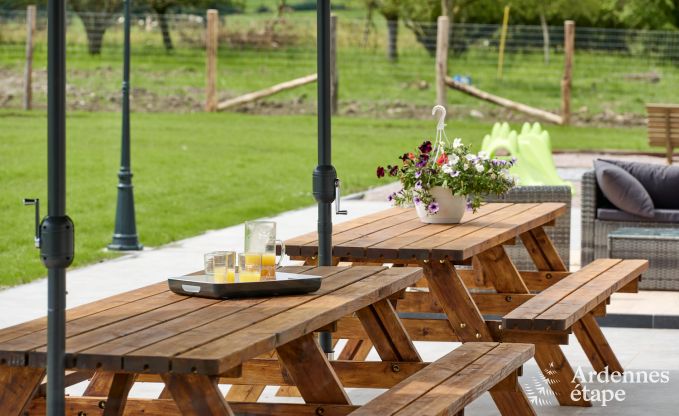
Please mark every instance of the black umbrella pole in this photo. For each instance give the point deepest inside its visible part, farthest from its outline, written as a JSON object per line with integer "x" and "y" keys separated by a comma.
{"x": 325, "y": 175}
{"x": 56, "y": 230}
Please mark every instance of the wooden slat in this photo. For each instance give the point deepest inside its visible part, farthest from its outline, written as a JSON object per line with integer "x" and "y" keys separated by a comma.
{"x": 293, "y": 323}
{"x": 402, "y": 233}
{"x": 576, "y": 304}
{"x": 108, "y": 355}
{"x": 488, "y": 303}
{"x": 293, "y": 245}
{"x": 421, "y": 249}
{"x": 156, "y": 356}
{"x": 520, "y": 317}
{"x": 134, "y": 324}
{"x": 14, "y": 351}
{"x": 79, "y": 406}
{"x": 487, "y": 237}
{"x": 440, "y": 330}
{"x": 311, "y": 371}
{"x": 40, "y": 324}
{"x": 456, "y": 392}
{"x": 389, "y": 248}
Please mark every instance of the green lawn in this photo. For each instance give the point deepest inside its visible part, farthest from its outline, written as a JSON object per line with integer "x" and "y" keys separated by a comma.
{"x": 195, "y": 172}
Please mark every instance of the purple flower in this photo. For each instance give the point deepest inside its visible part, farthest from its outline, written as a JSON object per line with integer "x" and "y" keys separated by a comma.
{"x": 455, "y": 173}
{"x": 433, "y": 208}
{"x": 469, "y": 205}
{"x": 425, "y": 147}
{"x": 393, "y": 171}
{"x": 417, "y": 200}
{"x": 418, "y": 185}
{"x": 391, "y": 196}
{"x": 418, "y": 173}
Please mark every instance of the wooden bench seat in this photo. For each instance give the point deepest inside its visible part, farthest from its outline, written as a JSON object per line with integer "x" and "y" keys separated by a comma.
{"x": 569, "y": 300}
{"x": 449, "y": 384}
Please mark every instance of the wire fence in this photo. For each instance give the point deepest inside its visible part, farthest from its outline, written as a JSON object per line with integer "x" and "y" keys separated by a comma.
{"x": 615, "y": 71}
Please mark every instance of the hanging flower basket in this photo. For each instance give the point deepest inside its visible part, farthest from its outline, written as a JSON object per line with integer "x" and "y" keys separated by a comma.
{"x": 443, "y": 180}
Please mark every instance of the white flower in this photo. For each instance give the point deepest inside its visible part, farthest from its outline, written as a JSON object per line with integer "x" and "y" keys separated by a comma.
{"x": 470, "y": 157}
{"x": 453, "y": 159}
{"x": 483, "y": 155}
{"x": 447, "y": 169}
{"x": 457, "y": 143}
{"x": 493, "y": 176}
{"x": 479, "y": 167}
{"x": 465, "y": 166}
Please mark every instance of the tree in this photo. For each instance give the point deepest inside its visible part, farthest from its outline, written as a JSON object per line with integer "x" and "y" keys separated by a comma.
{"x": 97, "y": 16}
{"x": 160, "y": 7}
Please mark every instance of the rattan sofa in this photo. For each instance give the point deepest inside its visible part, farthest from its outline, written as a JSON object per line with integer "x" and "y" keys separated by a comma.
{"x": 560, "y": 233}
{"x": 594, "y": 230}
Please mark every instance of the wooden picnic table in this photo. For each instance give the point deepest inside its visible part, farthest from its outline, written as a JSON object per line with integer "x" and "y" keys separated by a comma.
{"x": 191, "y": 344}
{"x": 492, "y": 286}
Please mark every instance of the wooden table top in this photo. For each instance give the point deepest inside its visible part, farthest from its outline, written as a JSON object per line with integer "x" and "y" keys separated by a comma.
{"x": 397, "y": 233}
{"x": 155, "y": 330}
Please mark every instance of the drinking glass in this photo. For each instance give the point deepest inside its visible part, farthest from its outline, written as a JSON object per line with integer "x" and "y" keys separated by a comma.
{"x": 249, "y": 267}
{"x": 209, "y": 263}
{"x": 223, "y": 266}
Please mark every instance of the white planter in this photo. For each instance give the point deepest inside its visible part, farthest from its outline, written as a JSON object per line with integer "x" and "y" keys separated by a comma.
{"x": 451, "y": 207}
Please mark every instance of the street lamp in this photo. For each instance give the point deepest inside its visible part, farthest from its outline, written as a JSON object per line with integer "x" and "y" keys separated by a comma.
{"x": 125, "y": 234}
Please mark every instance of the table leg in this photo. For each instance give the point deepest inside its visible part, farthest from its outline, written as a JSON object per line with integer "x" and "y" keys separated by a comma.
{"x": 197, "y": 395}
{"x": 117, "y": 395}
{"x": 18, "y": 385}
{"x": 387, "y": 333}
{"x": 100, "y": 384}
{"x": 468, "y": 324}
{"x": 500, "y": 271}
{"x": 311, "y": 371}
{"x": 587, "y": 331}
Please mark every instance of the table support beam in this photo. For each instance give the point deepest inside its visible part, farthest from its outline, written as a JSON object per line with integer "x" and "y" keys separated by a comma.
{"x": 18, "y": 385}
{"x": 310, "y": 369}
{"x": 197, "y": 395}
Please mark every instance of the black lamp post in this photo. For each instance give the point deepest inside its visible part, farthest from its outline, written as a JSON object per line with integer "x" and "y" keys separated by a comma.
{"x": 324, "y": 176}
{"x": 125, "y": 234}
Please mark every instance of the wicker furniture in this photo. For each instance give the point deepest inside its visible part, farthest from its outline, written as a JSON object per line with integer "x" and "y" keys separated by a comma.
{"x": 595, "y": 231}
{"x": 560, "y": 234}
{"x": 659, "y": 245}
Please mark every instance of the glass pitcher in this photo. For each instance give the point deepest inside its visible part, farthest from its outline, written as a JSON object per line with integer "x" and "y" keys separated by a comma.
{"x": 260, "y": 237}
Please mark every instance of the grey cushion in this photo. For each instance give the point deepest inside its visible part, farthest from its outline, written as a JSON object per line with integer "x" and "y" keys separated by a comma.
{"x": 623, "y": 190}
{"x": 660, "y": 181}
{"x": 661, "y": 215}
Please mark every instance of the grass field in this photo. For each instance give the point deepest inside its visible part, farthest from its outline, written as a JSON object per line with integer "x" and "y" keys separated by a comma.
{"x": 201, "y": 171}
{"x": 602, "y": 82}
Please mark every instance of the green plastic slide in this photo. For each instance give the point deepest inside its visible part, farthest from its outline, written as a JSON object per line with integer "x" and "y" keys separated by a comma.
{"x": 533, "y": 150}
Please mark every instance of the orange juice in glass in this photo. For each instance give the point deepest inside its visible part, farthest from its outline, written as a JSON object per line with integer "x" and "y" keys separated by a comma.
{"x": 249, "y": 267}
{"x": 222, "y": 263}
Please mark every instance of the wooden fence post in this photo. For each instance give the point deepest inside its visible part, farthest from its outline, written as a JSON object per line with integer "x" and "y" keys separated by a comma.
{"x": 211, "y": 40}
{"x": 28, "y": 69}
{"x": 569, "y": 48}
{"x": 442, "y": 37}
{"x": 503, "y": 40}
{"x": 334, "y": 73}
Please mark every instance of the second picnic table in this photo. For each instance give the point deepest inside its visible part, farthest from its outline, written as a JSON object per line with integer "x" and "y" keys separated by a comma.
{"x": 568, "y": 302}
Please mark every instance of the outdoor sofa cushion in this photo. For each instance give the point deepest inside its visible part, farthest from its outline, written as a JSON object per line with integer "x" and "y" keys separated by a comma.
{"x": 660, "y": 215}
{"x": 623, "y": 190}
{"x": 660, "y": 181}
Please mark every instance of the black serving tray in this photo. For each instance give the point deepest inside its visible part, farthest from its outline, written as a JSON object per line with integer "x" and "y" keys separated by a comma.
{"x": 203, "y": 285}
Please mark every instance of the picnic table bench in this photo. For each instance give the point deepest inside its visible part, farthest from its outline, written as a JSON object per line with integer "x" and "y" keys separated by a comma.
{"x": 491, "y": 286}
{"x": 192, "y": 344}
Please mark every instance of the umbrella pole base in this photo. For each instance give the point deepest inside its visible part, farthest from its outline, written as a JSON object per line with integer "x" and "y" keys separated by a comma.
{"x": 125, "y": 243}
